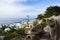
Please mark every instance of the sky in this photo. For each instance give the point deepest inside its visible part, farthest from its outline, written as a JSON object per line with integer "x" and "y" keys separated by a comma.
{"x": 21, "y": 8}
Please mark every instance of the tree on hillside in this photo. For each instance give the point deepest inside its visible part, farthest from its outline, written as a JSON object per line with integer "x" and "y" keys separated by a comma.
{"x": 52, "y": 10}
{"x": 40, "y": 16}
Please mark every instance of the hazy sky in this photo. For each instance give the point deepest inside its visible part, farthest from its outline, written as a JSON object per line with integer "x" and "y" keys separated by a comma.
{"x": 21, "y": 8}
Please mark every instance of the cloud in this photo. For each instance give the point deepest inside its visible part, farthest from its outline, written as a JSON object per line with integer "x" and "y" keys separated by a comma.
{"x": 12, "y": 1}
{"x": 8, "y": 10}
{"x": 21, "y": 0}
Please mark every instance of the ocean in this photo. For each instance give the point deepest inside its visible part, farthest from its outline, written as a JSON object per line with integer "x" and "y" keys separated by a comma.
{"x": 14, "y": 20}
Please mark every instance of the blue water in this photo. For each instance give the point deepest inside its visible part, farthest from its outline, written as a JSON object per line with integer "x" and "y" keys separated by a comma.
{"x": 14, "y": 20}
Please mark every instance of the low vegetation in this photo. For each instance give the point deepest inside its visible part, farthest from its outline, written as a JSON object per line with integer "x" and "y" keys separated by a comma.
{"x": 12, "y": 32}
